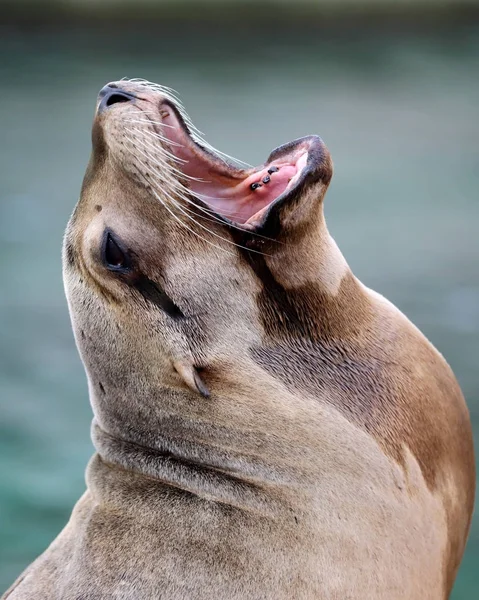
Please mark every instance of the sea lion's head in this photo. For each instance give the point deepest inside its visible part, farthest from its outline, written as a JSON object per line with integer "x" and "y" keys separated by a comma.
{"x": 178, "y": 263}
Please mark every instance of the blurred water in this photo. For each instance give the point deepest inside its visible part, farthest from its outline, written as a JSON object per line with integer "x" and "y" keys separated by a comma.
{"x": 400, "y": 116}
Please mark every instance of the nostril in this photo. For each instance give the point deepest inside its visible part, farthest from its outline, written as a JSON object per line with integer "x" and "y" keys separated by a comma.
{"x": 111, "y": 94}
{"x": 116, "y": 98}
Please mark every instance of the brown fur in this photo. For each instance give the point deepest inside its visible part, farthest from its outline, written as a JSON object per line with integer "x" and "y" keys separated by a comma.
{"x": 329, "y": 453}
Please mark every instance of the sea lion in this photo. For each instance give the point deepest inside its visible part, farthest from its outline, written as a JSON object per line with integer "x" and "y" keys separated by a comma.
{"x": 266, "y": 426}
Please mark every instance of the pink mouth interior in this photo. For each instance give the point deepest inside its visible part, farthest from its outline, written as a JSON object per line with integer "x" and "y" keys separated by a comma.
{"x": 240, "y": 195}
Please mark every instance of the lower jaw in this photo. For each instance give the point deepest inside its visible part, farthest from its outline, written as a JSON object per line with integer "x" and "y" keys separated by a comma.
{"x": 244, "y": 202}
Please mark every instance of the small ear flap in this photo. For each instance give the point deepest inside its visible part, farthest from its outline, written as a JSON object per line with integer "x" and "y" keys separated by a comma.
{"x": 191, "y": 377}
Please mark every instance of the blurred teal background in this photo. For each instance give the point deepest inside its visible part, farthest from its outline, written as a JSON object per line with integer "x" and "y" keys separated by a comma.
{"x": 394, "y": 95}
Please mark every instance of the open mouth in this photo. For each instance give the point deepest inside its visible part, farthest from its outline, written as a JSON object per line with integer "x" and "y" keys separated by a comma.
{"x": 242, "y": 196}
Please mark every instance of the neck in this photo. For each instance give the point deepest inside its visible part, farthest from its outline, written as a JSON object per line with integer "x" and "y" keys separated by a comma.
{"x": 240, "y": 463}
{"x": 184, "y": 465}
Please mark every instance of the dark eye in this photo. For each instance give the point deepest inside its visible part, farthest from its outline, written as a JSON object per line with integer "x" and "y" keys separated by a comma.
{"x": 114, "y": 254}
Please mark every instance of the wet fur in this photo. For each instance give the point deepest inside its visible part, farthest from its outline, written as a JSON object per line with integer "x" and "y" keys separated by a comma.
{"x": 333, "y": 458}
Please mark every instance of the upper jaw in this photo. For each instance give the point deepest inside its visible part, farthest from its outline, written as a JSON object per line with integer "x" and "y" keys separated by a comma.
{"x": 243, "y": 197}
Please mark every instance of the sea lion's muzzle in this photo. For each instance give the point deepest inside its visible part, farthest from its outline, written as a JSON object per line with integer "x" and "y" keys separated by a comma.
{"x": 166, "y": 145}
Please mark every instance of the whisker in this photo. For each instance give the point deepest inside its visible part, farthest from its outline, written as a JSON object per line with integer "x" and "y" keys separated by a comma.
{"x": 186, "y": 226}
{"x": 166, "y": 141}
{"x": 193, "y": 218}
{"x": 156, "y": 134}
{"x": 182, "y": 209}
{"x": 165, "y": 165}
{"x": 150, "y": 120}
{"x": 198, "y": 136}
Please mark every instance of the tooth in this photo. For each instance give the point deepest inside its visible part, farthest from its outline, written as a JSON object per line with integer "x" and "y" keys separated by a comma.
{"x": 255, "y": 186}
{"x": 164, "y": 113}
{"x": 266, "y": 179}
{"x": 273, "y": 170}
